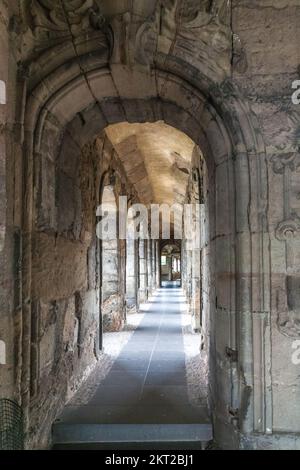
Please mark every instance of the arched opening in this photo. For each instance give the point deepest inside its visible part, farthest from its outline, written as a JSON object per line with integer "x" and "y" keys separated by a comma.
{"x": 170, "y": 265}
{"x": 148, "y": 175}
{"x": 112, "y": 150}
{"x": 114, "y": 95}
{"x": 204, "y": 123}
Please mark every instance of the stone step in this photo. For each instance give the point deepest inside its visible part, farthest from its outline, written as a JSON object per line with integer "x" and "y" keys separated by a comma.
{"x": 66, "y": 434}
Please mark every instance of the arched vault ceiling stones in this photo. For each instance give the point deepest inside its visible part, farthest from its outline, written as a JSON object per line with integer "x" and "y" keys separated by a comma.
{"x": 156, "y": 157}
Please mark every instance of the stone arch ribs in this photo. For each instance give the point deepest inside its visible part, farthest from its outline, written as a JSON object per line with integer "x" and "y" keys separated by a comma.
{"x": 127, "y": 150}
{"x": 219, "y": 121}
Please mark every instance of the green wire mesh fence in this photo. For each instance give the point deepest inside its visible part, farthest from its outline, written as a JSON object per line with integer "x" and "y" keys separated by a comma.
{"x": 11, "y": 425}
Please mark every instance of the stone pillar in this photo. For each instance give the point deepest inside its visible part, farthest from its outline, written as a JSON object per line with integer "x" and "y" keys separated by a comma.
{"x": 110, "y": 295}
{"x": 143, "y": 271}
{"x": 131, "y": 276}
{"x": 3, "y": 126}
{"x": 154, "y": 264}
{"x": 182, "y": 267}
{"x": 195, "y": 293}
{"x": 188, "y": 273}
{"x": 149, "y": 266}
{"x": 157, "y": 264}
{"x": 169, "y": 261}
{"x": 10, "y": 242}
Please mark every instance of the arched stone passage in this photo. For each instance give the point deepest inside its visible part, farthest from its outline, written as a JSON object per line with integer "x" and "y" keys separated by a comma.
{"x": 220, "y": 122}
{"x": 219, "y": 142}
{"x": 170, "y": 264}
{"x": 72, "y": 68}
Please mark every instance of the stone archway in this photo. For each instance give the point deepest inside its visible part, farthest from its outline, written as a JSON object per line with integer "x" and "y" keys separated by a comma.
{"x": 170, "y": 264}
{"x": 229, "y": 144}
{"x": 70, "y": 68}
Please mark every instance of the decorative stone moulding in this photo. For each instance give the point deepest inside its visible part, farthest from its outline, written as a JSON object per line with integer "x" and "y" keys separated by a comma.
{"x": 57, "y": 20}
{"x": 288, "y": 229}
{"x": 289, "y": 160}
{"x": 288, "y": 317}
{"x": 288, "y": 320}
{"x": 203, "y": 34}
{"x": 289, "y": 324}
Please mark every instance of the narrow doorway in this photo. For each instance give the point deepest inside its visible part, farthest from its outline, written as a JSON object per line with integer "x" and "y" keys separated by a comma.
{"x": 170, "y": 265}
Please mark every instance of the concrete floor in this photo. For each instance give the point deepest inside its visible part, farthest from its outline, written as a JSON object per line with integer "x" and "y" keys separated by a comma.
{"x": 144, "y": 397}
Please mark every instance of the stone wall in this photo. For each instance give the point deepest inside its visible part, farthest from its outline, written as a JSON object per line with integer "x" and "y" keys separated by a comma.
{"x": 10, "y": 215}
{"x": 267, "y": 66}
{"x": 73, "y": 277}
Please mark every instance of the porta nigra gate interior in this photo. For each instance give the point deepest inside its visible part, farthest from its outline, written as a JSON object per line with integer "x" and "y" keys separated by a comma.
{"x": 161, "y": 102}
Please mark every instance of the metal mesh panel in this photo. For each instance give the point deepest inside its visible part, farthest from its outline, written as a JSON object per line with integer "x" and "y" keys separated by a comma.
{"x": 11, "y": 425}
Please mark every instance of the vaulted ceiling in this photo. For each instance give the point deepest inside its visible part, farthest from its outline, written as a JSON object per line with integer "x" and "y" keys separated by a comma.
{"x": 156, "y": 158}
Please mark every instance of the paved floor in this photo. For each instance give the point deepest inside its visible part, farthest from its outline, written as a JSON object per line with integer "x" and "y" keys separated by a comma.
{"x": 147, "y": 382}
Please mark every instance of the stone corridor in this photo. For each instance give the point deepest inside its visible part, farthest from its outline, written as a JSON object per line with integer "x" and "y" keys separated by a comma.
{"x": 162, "y": 110}
{"x": 144, "y": 398}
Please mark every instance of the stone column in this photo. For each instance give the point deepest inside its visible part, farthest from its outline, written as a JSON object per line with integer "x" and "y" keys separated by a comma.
{"x": 110, "y": 298}
{"x": 157, "y": 264}
{"x": 195, "y": 294}
{"x": 154, "y": 264}
{"x": 143, "y": 271}
{"x": 188, "y": 259}
{"x": 182, "y": 267}
{"x": 149, "y": 267}
{"x": 12, "y": 327}
{"x": 169, "y": 260}
{"x": 3, "y": 127}
{"x": 131, "y": 276}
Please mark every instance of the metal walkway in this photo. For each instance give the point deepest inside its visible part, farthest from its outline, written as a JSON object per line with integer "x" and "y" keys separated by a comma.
{"x": 144, "y": 397}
